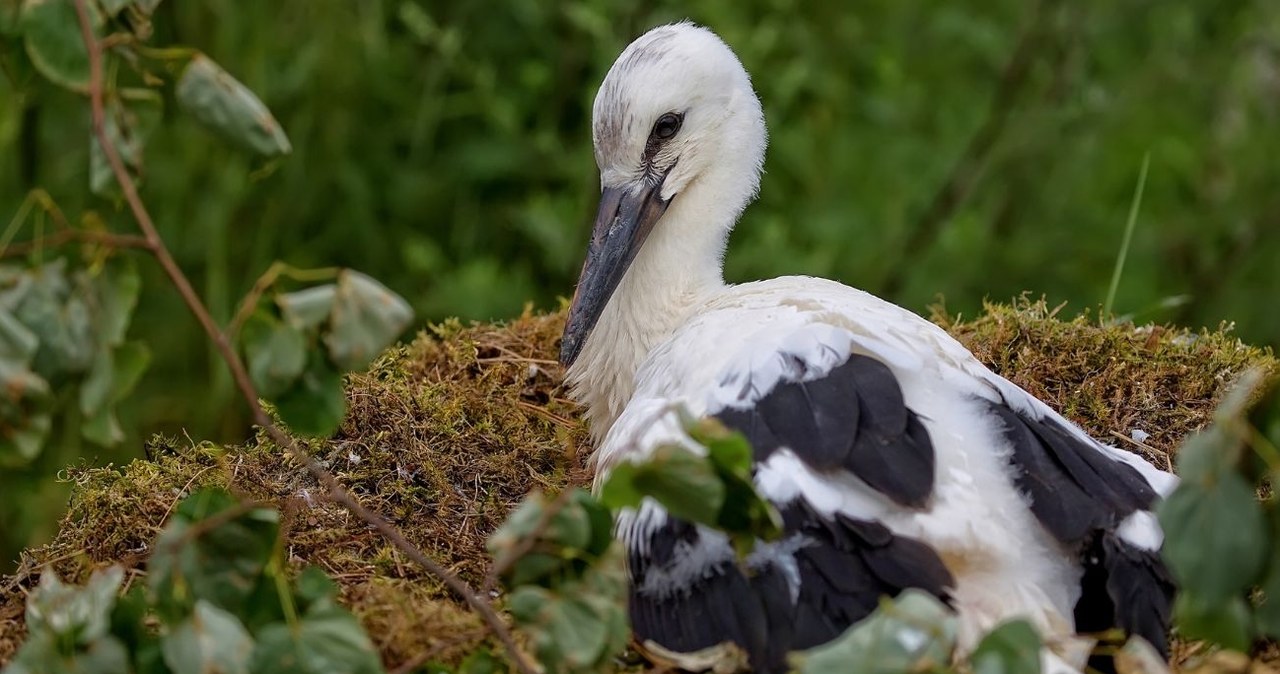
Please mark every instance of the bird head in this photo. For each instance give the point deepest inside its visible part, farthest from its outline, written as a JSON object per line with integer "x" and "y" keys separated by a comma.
{"x": 676, "y": 127}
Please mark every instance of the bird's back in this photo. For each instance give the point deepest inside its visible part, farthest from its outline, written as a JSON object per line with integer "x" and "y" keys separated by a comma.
{"x": 897, "y": 460}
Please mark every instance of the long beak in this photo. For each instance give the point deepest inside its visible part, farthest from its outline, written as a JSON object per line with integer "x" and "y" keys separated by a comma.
{"x": 626, "y": 216}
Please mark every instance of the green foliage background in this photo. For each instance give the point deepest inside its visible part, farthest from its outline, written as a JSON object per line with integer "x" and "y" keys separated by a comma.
{"x": 445, "y": 148}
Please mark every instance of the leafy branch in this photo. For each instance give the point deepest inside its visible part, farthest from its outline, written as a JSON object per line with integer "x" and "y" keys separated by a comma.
{"x": 63, "y": 233}
{"x": 216, "y": 598}
{"x": 240, "y": 375}
{"x": 1221, "y": 539}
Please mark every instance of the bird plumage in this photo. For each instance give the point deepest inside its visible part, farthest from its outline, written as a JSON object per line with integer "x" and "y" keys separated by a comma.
{"x": 896, "y": 458}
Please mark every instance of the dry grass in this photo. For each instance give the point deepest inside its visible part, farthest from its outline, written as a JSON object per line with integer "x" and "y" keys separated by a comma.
{"x": 447, "y": 433}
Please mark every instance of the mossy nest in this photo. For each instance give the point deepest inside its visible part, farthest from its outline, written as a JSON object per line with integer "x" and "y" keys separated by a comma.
{"x": 446, "y": 434}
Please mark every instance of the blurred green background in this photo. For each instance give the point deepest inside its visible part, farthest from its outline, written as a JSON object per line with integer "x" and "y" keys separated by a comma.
{"x": 918, "y": 149}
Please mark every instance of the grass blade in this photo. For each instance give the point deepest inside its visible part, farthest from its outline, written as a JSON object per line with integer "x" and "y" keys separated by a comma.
{"x": 1128, "y": 237}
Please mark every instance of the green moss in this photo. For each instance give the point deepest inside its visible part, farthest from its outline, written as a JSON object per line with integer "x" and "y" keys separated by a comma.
{"x": 447, "y": 433}
{"x": 1112, "y": 380}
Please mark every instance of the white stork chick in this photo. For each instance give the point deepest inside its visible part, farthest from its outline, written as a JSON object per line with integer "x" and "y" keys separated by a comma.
{"x": 896, "y": 459}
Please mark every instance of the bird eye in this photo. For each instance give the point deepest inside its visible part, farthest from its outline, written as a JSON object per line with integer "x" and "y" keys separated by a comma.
{"x": 667, "y": 126}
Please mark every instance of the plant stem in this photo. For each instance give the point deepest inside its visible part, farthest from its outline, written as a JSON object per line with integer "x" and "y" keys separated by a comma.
{"x": 264, "y": 283}
{"x": 1134, "y": 205}
{"x": 337, "y": 493}
{"x": 64, "y": 236}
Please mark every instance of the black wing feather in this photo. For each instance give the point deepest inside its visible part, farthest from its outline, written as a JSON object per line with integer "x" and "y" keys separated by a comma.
{"x": 853, "y": 418}
{"x": 845, "y": 566}
{"x": 1128, "y": 587}
{"x": 1081, "y": 495}
{"x": 1061, "y": 504}
{"x": 1075, "y": 489}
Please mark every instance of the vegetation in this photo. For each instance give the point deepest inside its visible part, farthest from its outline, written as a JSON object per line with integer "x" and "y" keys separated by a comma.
{"x": 217, "y": 555}
{"x": 974, "y": 149}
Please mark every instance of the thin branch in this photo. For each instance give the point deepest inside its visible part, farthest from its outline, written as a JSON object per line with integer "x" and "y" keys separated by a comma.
{"x": 241, "y": 376}
{"x": 969, "y": 167}
{"x": 264, "y": 283}
{"x": 65, "y": 236}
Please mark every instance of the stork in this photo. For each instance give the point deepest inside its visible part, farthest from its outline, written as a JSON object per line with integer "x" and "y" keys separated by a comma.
{"x": 895, "y": 458}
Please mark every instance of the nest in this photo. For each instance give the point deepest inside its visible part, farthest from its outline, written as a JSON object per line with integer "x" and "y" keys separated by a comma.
{"x": 445, "y": 435}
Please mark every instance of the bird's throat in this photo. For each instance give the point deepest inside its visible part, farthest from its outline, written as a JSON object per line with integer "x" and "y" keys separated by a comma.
{"x": 679, "y": 269}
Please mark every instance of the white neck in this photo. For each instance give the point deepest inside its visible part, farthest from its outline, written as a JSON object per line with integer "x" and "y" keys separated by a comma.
{"x": 678, "y": 268}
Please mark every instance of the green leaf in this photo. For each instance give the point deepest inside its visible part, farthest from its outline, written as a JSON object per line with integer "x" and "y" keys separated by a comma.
{"x": 223, "y": 564}
{"x": 1208, "y": 454}
{"x": 96, "y": 388}
{"x": 60, "y": 315}
{"x": 24, "y": 437}
{"x": 69, "y": 628}
{"x": 117, "y": 290}
{"x": 112, "y": 378}
{"x": 327, "y": 639}
{"x": 210, "y": 641}
{"x": 716, "y": 489}
{"x": 316, "y": 403}
{"x": 129, "y": 619}
{"x": 570, "y": 527}
{"x": 307, "y": 309}
{"x": 566, "y": 545}
{"x": 914, "y": 633}
{"x": 569, "y": 583}
{"x": 131, "y": 360}
{"x": 74, "y": 615}
{"x": 728, "y": 449}
{"x": 25, "y": 417}
{"x": 114, "y": 370}
{"x": 481, "y": 662}
{"x": 54, "y": 43}
{"x": 127, "y": 127}
{"x": 1011, "y": 648}
{"x": 1226, "y": 623}
{"x": 114, "y": 7}
{"x": 513, "y": 536}
{"x": 221, "y": 102}
{"x": 275, "y": 352}
{"x": 314, "y": 585}
{"x": 17, "y": 343}
{"x": 601, "y": 520}
{"x": 686, "y": 484}
{"x": 366, "y": 318}
{"x": 103, "y": 428}
{"x": 40, "y": 656}
{"x": 1215, "y": 533}
{"x": 567, "y": 633}
{"x": 745, "y": 516}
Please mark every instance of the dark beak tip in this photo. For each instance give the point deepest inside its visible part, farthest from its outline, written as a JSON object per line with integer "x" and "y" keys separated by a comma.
{"x": 568, "y": 352}
{"x": 623, "y": 222}
{"x": 570, "y": 342}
